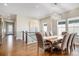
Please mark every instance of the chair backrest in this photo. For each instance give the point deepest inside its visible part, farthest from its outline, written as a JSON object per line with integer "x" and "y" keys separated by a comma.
{"x": 63, "y": 33}
{"x": 39, "y": 39}
{"x": 72, "y": 41}
{"x": 50, "y": 34}
{"x": 65, "y": 40}
{"x": 69, "y": 42}
{"x": 46, "y": 34}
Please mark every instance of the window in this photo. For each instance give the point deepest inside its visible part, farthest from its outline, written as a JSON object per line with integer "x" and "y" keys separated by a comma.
{"x": 45, "y": 27}
{"x": 61, "y": 26}
{"x": 73, "y": 26}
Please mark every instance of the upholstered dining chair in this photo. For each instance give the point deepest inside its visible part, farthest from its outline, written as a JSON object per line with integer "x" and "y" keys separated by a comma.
{"x": 46, "y": 34}
{"x": 63, "y": 33}
{"x": 70, "y": 44}
{"x": 41, "y": 44}
{"x": 73, "y": 42}
{"x": 50, "y": 34}
{"x": 62, "y": 47}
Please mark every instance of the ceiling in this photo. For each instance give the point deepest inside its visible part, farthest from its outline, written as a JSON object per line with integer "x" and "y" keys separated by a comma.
{"x": 36, "y": 10}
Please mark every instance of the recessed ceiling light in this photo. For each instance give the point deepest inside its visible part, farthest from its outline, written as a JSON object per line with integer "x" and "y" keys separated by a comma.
{"x": 5, "y": 4}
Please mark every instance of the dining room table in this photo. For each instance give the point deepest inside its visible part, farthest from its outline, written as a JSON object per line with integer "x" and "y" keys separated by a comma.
{"x": 53, "y": 39}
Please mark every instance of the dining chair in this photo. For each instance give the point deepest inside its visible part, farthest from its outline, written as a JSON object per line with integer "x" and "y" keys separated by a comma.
{"x": 65, "y": 41}
{"x": 63, "y": 33}
{"x": 73, "y": 41}
{"x": 50, "y": 34}
{"x": 71, "y": 44}
{"x": 46, "y": 34}
{"x": 62, "y": 47}
{"x": 41, "y": 43}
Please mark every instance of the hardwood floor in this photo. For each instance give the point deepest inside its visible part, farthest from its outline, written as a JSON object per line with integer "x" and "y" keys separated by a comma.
{"x": 20, "y": 48}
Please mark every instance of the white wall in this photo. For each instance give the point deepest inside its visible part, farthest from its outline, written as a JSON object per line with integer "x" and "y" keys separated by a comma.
{"x": 51, "y": 25}
{"x": 22, "y": 24}
{"x": 34, "y": 25}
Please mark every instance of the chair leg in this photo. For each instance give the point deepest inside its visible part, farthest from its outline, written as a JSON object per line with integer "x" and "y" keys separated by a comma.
{"x": 74, "y": 46}
{"x": 64, "y": 51}
{"x": 71, "y": 49}
{"x": 68, "y": 51}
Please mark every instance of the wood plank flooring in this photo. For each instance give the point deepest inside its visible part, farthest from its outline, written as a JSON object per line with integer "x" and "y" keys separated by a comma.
{"x": 20, "y": 48}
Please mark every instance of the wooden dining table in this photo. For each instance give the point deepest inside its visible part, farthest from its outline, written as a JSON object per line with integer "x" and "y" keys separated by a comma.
{"x": 52, "y": 38}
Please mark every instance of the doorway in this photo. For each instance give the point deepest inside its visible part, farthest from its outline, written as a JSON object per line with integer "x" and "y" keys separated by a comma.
{"x": 9, "y": 34}
{"x": 9, "y": 28}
